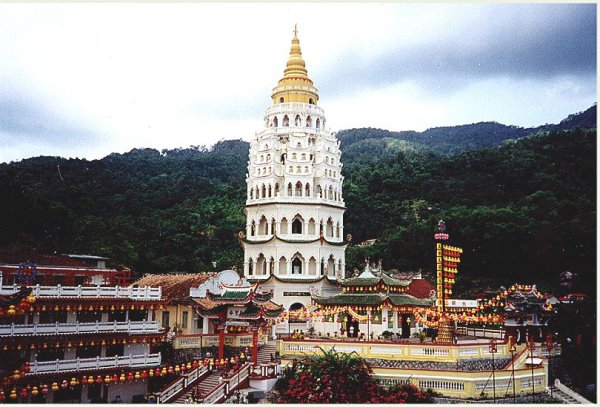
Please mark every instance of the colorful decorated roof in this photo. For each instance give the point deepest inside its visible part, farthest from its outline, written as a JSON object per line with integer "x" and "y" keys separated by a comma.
{"x": 174, "y": 286}
{"x": 256, "y": 304}
{"x": 373, "y": 299}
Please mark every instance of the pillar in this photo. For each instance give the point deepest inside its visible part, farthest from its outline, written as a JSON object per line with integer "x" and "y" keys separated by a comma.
{"x": 254, "y": 345}
{"x": 221, "y": 330}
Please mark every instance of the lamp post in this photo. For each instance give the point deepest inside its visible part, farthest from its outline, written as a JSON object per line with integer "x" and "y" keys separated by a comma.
{"x": 493, "y": 350}
{"x": 512, "y": 350}
{"x": 531, "y": 347}
{"x": 550, "y": 346}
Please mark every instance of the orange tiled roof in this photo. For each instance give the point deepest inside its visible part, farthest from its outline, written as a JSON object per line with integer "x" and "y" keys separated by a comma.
{"x": 174, "y": 286}
{"x": 419, "y": 288}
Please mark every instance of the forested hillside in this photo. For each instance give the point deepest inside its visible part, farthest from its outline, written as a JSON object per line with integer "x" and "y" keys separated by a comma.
{"x": 369, "y": 144}
{"x": 523, "y": 211}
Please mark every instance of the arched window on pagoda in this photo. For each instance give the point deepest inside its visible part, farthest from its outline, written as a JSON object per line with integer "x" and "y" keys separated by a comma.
{"x": 275, "y": 122}
{"x": 276, "y": 189}
{"x": 322, "y": 266}
{"x": 298, "y": 189}
{"x": 318, "y": 124}
{"x": 308, "y": 121}
{"x": 310, "y": 101}
{"x": 282, "y": 266}
{"x": 269, "y": 191}
{"x": 311, "y": 227}
{"x": 297, "y": 263}
{"x": 337, "y": 230}
{"x": 281, "y": 100}
{"x": 284, "y": 226}
{"x": 262, "y": 226}
{"x": 271, "y": 266}
{"x": 261, "y": 265}
{"x": 286, "y": 121}
{"x": 273, "y": 226}
{"x": 297, "y": 120}
{"x": 250, "y": 266}
{"x": 263, "y": 191}
{"x": 329, "y": 228}
{"x": 297, "y": 226}
{"x": 319, "y": 191}
{"x": 251, "y": 193}
{"x": 331, "y": 266}
{"x": 253, "y": 229}
{"x": 312, "y": 266}
{"x": 307, "y": 189}
{"x": 289, "y": 188}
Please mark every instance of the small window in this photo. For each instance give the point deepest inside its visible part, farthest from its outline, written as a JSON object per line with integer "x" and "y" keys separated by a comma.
{"x": 280, "y": 100}
{"x": 311, "y": 102}
{"x": 184, "y": 319}
{"x": 297, "y": 227}
{"x": 165, "y": 319}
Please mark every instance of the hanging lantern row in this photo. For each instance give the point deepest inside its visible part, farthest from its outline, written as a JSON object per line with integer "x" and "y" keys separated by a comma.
{"x": 96, "y": 307}
{"x": 376, "y": 288}
{"x": 431, "y": 318}
{"x": 25, "y": 305}
{"x": 82, "y": 343}
{"x": 114, "y": 378}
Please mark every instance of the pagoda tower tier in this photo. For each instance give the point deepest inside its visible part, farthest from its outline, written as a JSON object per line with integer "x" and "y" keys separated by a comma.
{"x": 294, "y": 207}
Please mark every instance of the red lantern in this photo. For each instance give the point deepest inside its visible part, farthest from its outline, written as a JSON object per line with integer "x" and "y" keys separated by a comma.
{"x": 24, "y": 393}
{"x": 99, "y": 380}
{"x": 144, "y": 374}
{"x": 115, "y": 378}
{"x": 64, "y": 384}
{"x": 26, "y": 367}
{"x": 45, "y": 389}
{"x": 2, "y": 396}
{"x": 130, "y": 376}
{"x": 194, "y": 364}
{"x": 170, "y": 370}
{"x": 157, "y": 372}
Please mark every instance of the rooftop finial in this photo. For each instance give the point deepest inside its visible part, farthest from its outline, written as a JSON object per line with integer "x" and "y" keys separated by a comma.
{"x": 295, "y": 30}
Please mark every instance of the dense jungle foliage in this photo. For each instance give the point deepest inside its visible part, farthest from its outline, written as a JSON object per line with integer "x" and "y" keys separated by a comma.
{"x": 523, "y": 211}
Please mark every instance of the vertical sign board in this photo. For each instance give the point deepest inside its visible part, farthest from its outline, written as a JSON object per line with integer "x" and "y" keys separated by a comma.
{"x": 439, "y": 266}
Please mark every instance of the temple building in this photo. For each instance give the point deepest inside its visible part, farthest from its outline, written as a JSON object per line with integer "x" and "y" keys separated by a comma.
{"x": 76, "y": 343}
{"x": 373, "y": 303}
{"x": 294, "y": 207}
{"x": 239, "y": 309}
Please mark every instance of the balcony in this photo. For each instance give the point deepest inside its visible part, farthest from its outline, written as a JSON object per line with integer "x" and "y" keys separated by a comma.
{"x": 131, "y": 361}
{"x": 294, "y": 107}
{"x": 58, "y": 291}
{"x": 129, "y": 327}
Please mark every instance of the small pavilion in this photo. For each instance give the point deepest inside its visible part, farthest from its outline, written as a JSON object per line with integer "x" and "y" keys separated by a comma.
{"x": 375, "y": 302}
{"x": 239, "y": 309}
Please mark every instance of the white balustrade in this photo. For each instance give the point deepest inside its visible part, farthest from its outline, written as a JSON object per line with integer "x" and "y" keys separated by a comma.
{"x": 131, "y": 327}
{"x": 58, "y": 291}
{"x": 181, "y": 384}
{"x": 95, "y": 363}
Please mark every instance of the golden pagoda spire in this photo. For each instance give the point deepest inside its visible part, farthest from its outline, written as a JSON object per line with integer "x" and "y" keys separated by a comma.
{"x": 295, "y": 86}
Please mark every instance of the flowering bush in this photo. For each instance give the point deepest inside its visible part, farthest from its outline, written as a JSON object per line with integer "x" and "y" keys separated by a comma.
{"x": 332, "y": 377}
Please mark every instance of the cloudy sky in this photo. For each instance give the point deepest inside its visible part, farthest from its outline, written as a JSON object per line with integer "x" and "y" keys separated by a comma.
{"x": 84, "y": 80}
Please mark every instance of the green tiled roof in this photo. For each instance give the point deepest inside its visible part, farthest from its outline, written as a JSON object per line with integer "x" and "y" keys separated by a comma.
{"x": 371, "y": 281}
{"x": 372, "y": 299}
{"x": 231, "y": 295}
{"x": 351, "y": 299}
{"x": 405, "y": 299}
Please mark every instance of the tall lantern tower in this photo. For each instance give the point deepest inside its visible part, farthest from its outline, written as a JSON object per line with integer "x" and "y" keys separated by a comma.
{"x": 294, "y": 207}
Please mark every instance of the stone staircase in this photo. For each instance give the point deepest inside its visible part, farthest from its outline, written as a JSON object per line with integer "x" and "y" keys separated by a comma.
{"x": 566, "y": 395}
{"x": 202, "y": 388}
{"x": 265, "y": 352}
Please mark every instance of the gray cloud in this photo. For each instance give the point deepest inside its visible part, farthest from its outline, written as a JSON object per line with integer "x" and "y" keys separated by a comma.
{"x": 512, "y": 40}
{"x": 29, "y": 120}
